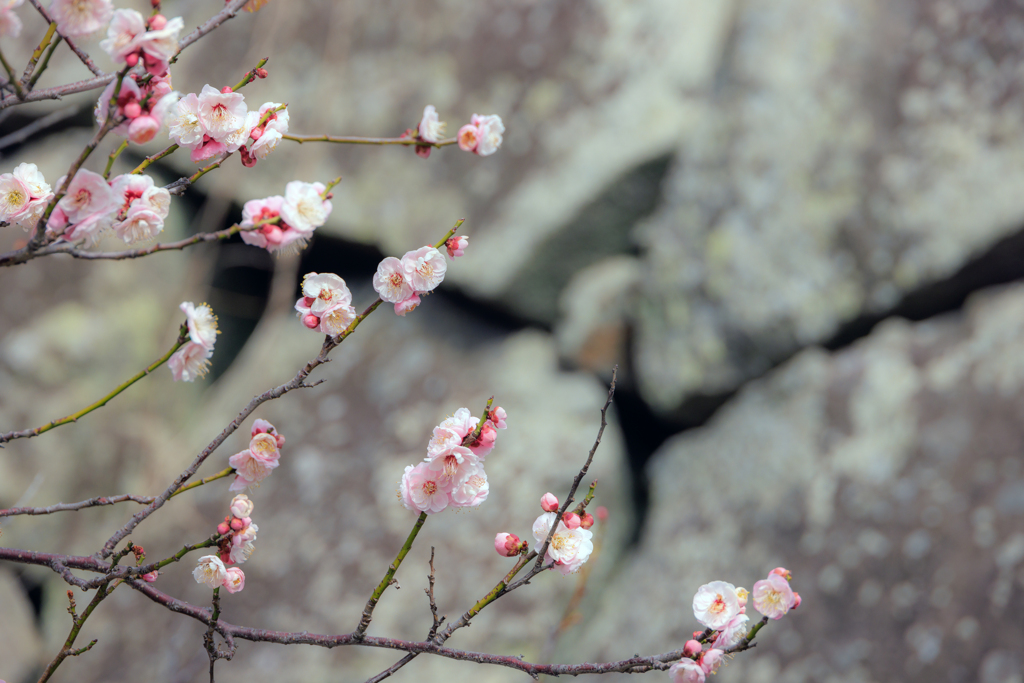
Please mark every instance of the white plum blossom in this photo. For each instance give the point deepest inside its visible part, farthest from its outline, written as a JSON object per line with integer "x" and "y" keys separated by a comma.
{"x": 715, "y": 604}
{"x": 162, "y": 44}
{"x": 336, "y": 320}
{"x": 733, "y": 632}
{"x": 14, "y": 198}
{"x": 425, "y": 268}
{"x": 303, "y": 208}
{"x": 490, "y": 131}
{"x": 326, "y": 290}
{"x": 711, "y": 660}
{"x": 569, "y": 548}
{"x": 201, "y": 322}
{"x": 686, "y": 671}
{"x": 33, "y": 179}
{"x": 431, "y": 128}
{"x": 186, "y": 130}
{"x": 221, "y": 113}
{"x": 211, "y": 571}
{"x": 391, "y": 281}
{"x": 190, "y": 362}
{"x": 125, "y": 27}
{"x": 80, "y": 17}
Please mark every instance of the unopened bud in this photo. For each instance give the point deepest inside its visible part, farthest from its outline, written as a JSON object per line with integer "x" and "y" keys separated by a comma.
{"x": 783, "y": 572}
{"x": 241, "y": 507}
{"x": 132, "y": 59}
{"x": 157, "y": 22}
{"x": 602, "y": 513}
{"x": 132, "y": 109}
{"x": 692, "y": 648}
{"x": 151, "y": 576}
{"x": 571, "y": 520}
{"x": 311, "y": 321}
{"x": 226, "y": 89}
{"x": 587, "y": 520}
{"x": 261, "y": 72}
{"x": 507, "y": 545}
{"x": 796, "y": 600}
{"x": 223, "y": 528}
{"x": 742, "y": 594}
{"x": 280, "y": 440}
{"x": 548, "y": 502}
{"x": 237, "y": 524}
{"x": 274, "y": 234}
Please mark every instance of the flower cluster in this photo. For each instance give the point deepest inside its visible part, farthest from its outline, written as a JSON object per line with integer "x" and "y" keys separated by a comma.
{"x": 326, "y": 303}
{"x": 143, "y": 108}
{"x": 430, "y": 130}
{"x": 130, "y": 204}
{"x": 193, "y": 359}
{"x": 10, "y": 24}
{"x": 132, "y": 39}
{"x": 219, "y": 122}
{"x": 24, "y": 195}
{"x": 255, "y": 463}
{"x": 452, "y": 474}
{"x": 482, "y": 135}
{"x": 80, "y": 17}
{"x": 721, "y": 607}
{"x": 212, "y": 572}
{"x": 238, "y": 531}
{"x": 286, "y": 222}
{"x": 572, "y": 543}
{"x": 401, "y": 281}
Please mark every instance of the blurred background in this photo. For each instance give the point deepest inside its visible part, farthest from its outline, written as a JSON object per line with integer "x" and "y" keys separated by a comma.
{"x": 796, "y": 226}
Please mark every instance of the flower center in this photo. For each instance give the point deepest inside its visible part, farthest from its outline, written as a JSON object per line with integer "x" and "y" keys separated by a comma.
{"x": 718, "y": 606}
{"x": 429, "y": 488}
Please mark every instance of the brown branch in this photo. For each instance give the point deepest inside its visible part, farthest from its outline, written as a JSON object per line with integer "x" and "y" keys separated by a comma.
{"x": 81, "y": 505}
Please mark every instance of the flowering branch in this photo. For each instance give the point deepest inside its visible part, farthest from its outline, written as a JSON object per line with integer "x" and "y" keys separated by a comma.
{"x": 389, "y": 575}
{"x": 73, "y": 417}
{"x": 89, "y": 64}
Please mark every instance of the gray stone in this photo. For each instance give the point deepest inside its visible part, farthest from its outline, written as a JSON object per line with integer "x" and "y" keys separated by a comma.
{"x": 883, "y": 476}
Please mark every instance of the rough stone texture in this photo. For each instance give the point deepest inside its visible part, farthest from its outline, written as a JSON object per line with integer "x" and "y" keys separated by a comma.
{"x": 850, "y": 152}
{"x": 887, "y": 477}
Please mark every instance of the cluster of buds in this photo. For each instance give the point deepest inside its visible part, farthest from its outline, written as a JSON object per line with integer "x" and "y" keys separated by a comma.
{"x": 255, "y": 463}
{"x": 287, "y": 222}
{"x": 219, "y": 122}
{"x": 133, "y": 40}
{"x": 326, "y": 303}
{"x": 452, "y": 474}
{"x": 402, "y": 281}
{"x": 140, "y": 556}
{"x": 721, "y": 607}
{"x": 10, "y": 24}
{"x": 482, "y": 135}
{"x": 192, "y": 359}
{"x": 237, "y": 531}
{"x": 143, "y": 107}
{"x": 24, "y": 193}
{"x": 130, "y": 204}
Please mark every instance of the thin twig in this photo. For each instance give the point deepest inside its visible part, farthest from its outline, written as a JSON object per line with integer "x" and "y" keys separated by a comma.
{"x": 37, "y": 53}
{"x": 389, "y": 575}
{"x": 355, "y": 140}
{"x": 70, "y": 507}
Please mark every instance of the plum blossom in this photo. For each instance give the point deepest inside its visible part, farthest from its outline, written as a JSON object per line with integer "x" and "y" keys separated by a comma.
{"x": 186, "y": 130}
{"x": 422, "y": 489}
{"x": 468, "y": 137}
{"x": 715, "y": 604}
{"x": 201, "y": 322}
{"x": 234, "y": 579}
{"x": 142, "y": 207}
{"x": 391, "y": 281}
{"x": 425, "y": 268}
{"x": 80, "y": 17}
{"x": 431, "y": 128}
{"x": 190, "y": 362}
{"x": 692, "y": 648}
{"x": 255, "y": 463}
{"x": 407, "y": 305}
{"x": 211, "y": 571}
{"x": 507, "y": 545}
{"x": 14, "y": 198}
{"x": 87, "y": 195}
{"x": 10, "y": 24}
{"x": 473, "y": 490}
{"x": 221, "y": 113}
{"x": 733, "y": 632}
{"x": 587, "y": 520}
{"x": 264, "y": 139}
{"x": 569, "y": 548}
{"x": 241, "y": 506}
{"x": 490, "y": 130}
{"x": 686, "y": 671}
{"x": 457, "y": 246}
{"x": 773, "y": 596}
{"x": 453, "y": 466}
{"x": 151, "y": 576}
{"x": 443, "y": 440}
{"x": 304, "y": 208}
{"x": 548, "y": 502}
{"x": 711, "y": 660}
{"x": 326, "y": 304}
{"x": 122, "y": 34}
{"x": 159, "y": 45}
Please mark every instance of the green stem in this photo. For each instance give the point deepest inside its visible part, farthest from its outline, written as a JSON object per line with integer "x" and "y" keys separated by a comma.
{"x": 220, "y": 475}
{"x": 364, "y": 623}
{"x": 249, "y": 76}
{"x": 29, "y": 433}
{"x": 113, "y": 157}
{"x": 76, "y": 628}
{"x": 38, "y": 52}
{"x": 156, "y": 157}
{"x": 185, "y": 551}
{"x": 46, "y": 63}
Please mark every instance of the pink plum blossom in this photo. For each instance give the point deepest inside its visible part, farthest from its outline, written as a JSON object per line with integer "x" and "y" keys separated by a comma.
{"x": 431, "y": 128}
{"x": 303, "y": 208}
{"x": 407, "y": 305}
{"x": 490, "y": 130}
{"x": 211, "y": 571}
{"x": 425, "y": 268}
{"x": 87, "y": 195}
{"x": 472, "y": 491}
{"x": 442, "y": 441}
{"x": 457, "y": 246}
{"x": 151, "y": 576}
{"x": 189, "y": 362}
{"x": 201, "y": 322}
{"x": 507, "y": 545}
{"x": 772, "y": 596}
{"x": 462, "y": 422}
{"x": 241, "y": 507}
{"x": 498, "y": 416}
{"x": 733, "y": 632}
{"x": 139, "y": 225}
{"x": 160, "y": 44}
{"x": 485, "y": 442}
{"x": 391, "y": 281}
{"x": 686, "y": 671}
{"x": 143, "y": 129}
{"x": 234, "y": 579}
{"x": 548, "y": 502}
{"x": 692, "y": 648}
{"x": 711, "y": 660}
{"x": 569, "y": 548}
{"x": 80, "y": 17}
{"x": 254, "y": 464}
{"x": 207, "y": 149}
{"x": 453, "y": 466}
{"x": 715, "y": 604}
{"x": 468, "y": 137}
{"x": 423, "y": 490}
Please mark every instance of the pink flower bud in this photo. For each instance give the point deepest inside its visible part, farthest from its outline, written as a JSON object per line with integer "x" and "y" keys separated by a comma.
{"x": 507, "y": 545}
{"x": 157, "y": 22}
{"x": 223, "y": 528}
{"x": 132, "y": 109}
{"x": 587, "y": 520}
{"x": 261, "y": 72}
{"x": 423, "y": 151}
{"x": 143, "y": 129}
{"x": 796, "y": 600}
{"x": 151, "y": 576}
{"x": 273, "y": 234}
{"x": 247, "y": 159}
{"x": 692, "y": 647}
{"x": 457, "y": 246}
{"x": 226, "y": 89}
{"x": 602, "y": 513}
{"x": 132, "y": 59}
{"x": 234, "y": 580}
{"x": 311, "y": 321}
{"x": 498, "y": 415}
{"x": 548, "y": 502}
{"x": 571, "y": 520}
{"x": 280, "y": 440}
{"x": 237, "y": 524}
{"x": 783, "y": 572}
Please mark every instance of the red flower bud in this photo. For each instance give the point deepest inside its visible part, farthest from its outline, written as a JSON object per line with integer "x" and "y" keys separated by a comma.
{"x": 587, "y": 520}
